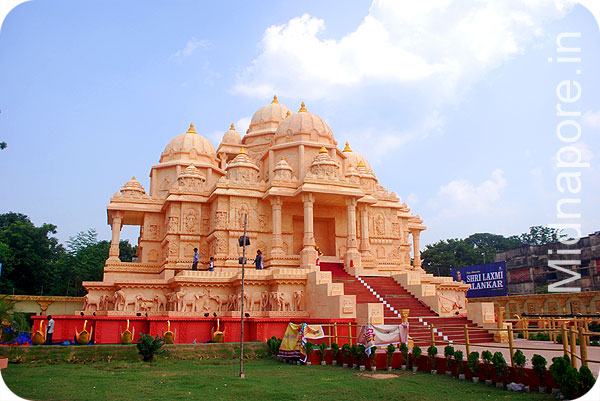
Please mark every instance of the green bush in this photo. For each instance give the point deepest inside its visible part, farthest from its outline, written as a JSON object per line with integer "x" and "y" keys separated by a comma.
{"x": 308, "y": 347}
{"x": 458, "y": 356}
{"x": 519, "y": 361}
{"x": 390, "y": 353}
{"x": 274, "y": 343}
{"x": 586, "y": 379}
{"x": 486, "y": 357}
{"x": 346, "y": 351}
{"x": 432, "y": 352}
{"x": 335, "y": 350}
{"x": 473, "y": 362}
{"x": 566, "y": 377}
{"x": 500, "y": 365}
{"x": 449, "y": 354}
{"x": 372, "y": 354}
{"x": 416, "y": 351}
{"x": 539, "y": 366}
{"x": 322, "y": 350}
{"x": 148, "y": 346}
{"x": 404, "y": 352}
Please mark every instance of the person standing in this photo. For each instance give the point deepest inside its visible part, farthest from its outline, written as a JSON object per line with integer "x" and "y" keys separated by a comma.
{"x": 196, "y": 259}
{"x": 211, "y": 264}
{"x": 49, "y": 330}
{"x": 258, "y": 261}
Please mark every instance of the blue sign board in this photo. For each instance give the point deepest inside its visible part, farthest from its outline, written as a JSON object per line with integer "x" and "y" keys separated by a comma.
{"x": 487, "y": 280}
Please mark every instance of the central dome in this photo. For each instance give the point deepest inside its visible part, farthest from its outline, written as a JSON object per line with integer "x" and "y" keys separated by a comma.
{"x": 267, "y": 117}
{"x": 306, "y": 126}
{"x": 188, "y": 147}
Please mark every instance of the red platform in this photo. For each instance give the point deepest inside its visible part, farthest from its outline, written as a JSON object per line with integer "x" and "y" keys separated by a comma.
{"x": 107, "y": 329}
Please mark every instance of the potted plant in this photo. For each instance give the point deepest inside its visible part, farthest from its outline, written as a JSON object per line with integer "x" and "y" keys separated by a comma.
{"x": 372, "y": 355}
{"x": 416, "y": 352}
{"x": 335, "y": 350}
{"x": 539, "y": 368}
{"x": 360, "y": 356}
{"x": 486, "y": 356}
{"x": 449, "y": 354}
{"x": 308, "y": 347}
{"x": 354, "y": 352}
{"x": 404, "y": 353}
{"x": 458, "y": 356}
{"x": 346, "y": 352}
{"x": 148, "y": 346}
{"x": 323, "y": 352}
{"x": 432, "y": 353}
{"x": 501, "y": 368}
{"x": 473, "y": 364}
{"x": 390, "y": 355}
{"x": 519, "y": 361}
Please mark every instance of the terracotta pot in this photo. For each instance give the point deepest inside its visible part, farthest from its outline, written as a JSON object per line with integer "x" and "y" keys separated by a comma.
{"x": 433, "y": 372}
{"x": 461, "y": 376}
{"x": 361, "y": 368}
{"x": 475, "y": 379}
{"x": 403, "y": 367}
{"x": 542, "y": 389}
{"x": 448, "y": 373}
{"x": 323, "y": 363}
{"x": 373, "y": 368}
{"x": 389, "y": 369}
{"x": 334, "y": 362}
{"x": 500, "y": 385}
{"x": 344, "y": 365}
{"x": 414, "y": 369}
{"x": 308, "y": 363}
{"x": 488, "y": 382}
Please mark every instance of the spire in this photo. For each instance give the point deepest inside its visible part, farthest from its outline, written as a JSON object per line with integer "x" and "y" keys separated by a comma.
{"x": 302, "y": 108}
{"x": 361, "y": 164}
{"x": 287, "y": 114}
{"x": 191, "y": 130}
{"x": 243, "y": 151}
{"x": 275, "y": 99}
{"x": 347, "y": 148}
{"x": 232, "y": 128}
{"x": 323, "y": 150}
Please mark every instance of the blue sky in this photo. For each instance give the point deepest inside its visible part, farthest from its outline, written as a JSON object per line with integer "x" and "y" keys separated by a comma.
{"x": 453, "y": 103}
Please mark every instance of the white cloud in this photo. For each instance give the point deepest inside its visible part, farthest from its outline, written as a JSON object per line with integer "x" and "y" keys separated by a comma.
{"x": 461, "y": 197}
{"x": 591, "y": 119}
{"x": 189, "y": 49}
{"x": 445, "y": 43}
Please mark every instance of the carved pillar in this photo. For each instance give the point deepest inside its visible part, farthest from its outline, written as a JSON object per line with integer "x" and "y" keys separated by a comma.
{"x": 416, "y": 248}
{"x": 301, "y": 161}
{"x": 271, "y": 163}
{"x": 113, "y": 254}
{"x": 223, "y": 158}
{"x": 364, "y": 230}
{"x": 277, "y": 241}
{"x": 351, "y": 210}
{"x": 308, "y": 254}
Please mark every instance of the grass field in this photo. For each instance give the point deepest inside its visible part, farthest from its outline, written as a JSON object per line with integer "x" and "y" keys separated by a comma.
{"x": 217, "y": 379}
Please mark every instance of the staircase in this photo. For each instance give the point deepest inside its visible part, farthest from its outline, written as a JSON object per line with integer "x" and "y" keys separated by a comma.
{"x": 395, "y": 297}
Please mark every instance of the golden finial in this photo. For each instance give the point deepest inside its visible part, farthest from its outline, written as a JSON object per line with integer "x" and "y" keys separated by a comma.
{"x": 191, "y": 130}
{"x": 287, "y": 114}
{"x": 361, "y": 164}
{"x": 323, "y": 150}
{"x": 347, "y": 148}
{"x": 133, "y": 178}
{"x": 243, "y": 151}
{"x": 302, "y": 108}
{"x": 275, "y": 100}
{"x": 283, "y": 158}
{"x": 232, "y": 128}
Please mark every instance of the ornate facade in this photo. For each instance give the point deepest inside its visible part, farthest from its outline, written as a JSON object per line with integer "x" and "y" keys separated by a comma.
{"x": 304, "y": 199}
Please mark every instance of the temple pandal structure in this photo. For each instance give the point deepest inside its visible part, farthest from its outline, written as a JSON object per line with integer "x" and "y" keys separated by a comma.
{"x": 336, "y": 244}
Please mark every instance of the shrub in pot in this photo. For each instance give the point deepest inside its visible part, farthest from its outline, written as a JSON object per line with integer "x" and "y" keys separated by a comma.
{"x": 390, "y": 355}
{"x": 335, "y": 350}
{"x": 355, "y": 355}
{"x": 361, "y": 355}
{"x": 308, "y": 347}
{"x": 346, "y": 352}
{"x": 432, "y": 353}
{"x": 322, "y": 349}
{"x": 148, "y": 346}
{"x": 501, "y": 368}
{"x": 416, "y": 352}
{"x": 473, "y": 365}
{"x": 404, "y": 353}
{"x": 486, "y": 357}
{"x": 586, "y": 379}
{"x": 373, "y": 356}
{"x": 458, "y": 356}
{"x": 566, "y": 377}
{"x": 449, "y": 354}
{"x": 519, "y": 361}
{"x": 539, "y": 367}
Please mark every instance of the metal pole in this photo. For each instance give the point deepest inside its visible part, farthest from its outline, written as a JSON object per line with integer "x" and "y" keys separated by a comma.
{"x": 582, "y": 347}
{"x": 511, "y": 347}
{"x": 467, "y": 348}
{"x": 242, "y": 376}
{"x": 565, "y": 339}
{"x": 573, "y": 334}
{"x": 432, "y": 333}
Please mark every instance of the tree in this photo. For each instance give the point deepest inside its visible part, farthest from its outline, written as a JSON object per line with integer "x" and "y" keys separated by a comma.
{"x": 28, "y": 254}
{"x": 444, "y": 255}
{"x": 3, "y": 145}
{"x": 541, "y": 235}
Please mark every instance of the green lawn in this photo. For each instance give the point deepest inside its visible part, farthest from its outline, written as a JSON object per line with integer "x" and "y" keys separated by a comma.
{"x": 266, "y": 379}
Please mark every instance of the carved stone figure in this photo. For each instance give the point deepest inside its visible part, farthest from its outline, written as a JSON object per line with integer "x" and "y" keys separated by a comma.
{"x": 298, "y": 298}
{"x": 256, "y": 300}
{"x": 190, "y": 221}
{"x": 218, "y": 299}
{"x": 275, "y": 302}
{"x": 160, "y": 302}
{"x": 90, "y": 300}
{"x": 286, "y": 301}
{"x": 264, "y": 304}
{"x": 232, "y": 302}
{"x": 120, "y": 300}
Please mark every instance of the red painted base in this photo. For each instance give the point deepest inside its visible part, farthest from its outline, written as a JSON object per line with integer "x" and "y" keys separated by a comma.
{"x": 108, "y": 329}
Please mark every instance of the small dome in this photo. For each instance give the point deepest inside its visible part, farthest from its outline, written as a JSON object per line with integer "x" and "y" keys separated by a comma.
{"x": 355, "y": 159}
{"x": 231, "y": 137}
{"x": 133, "y": 187}
{"x": 188, "y": 146}
{"x": 267, "y": 115}
{"x": 242, "y": 160}
{"x": 306, "y": 124}
{"x": 282, "y": 165}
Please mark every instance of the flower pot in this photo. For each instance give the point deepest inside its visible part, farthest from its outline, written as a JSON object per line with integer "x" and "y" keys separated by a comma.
{"x": 298, "y": 363}
{"x": 334, "y": 362}
{"x": 500, "y": 385}
{"x": 403, "y": 367}
{"x": 344, "y": 365}
{"x": 488, "y": 382}
{"x": 373, "y": 368}
{"x": 542, "y": 389}
{"x": 389, "y": 368}
{"x": 354, "y": 366}
{"x": 526, "y": 389}
{"x": 433, "y": 372}
{"x": 555, "y": 391}
{"x": 414, "y": 369}
{"x": 323, "y": 363}
{"x": 461, "y": 376}
{"x": 361, "y": 368}
{"x": 475, "y": 379}
{"x": 308, "y": 363}
{"x": 448, "y": 373}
